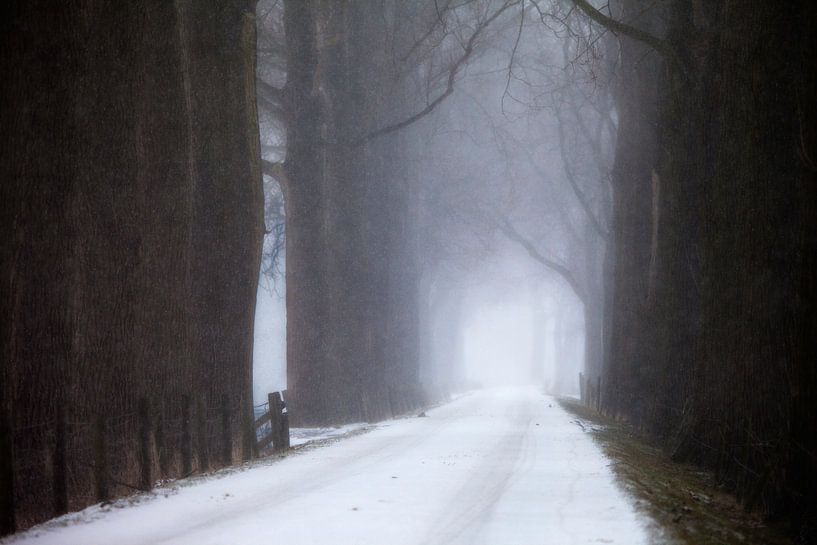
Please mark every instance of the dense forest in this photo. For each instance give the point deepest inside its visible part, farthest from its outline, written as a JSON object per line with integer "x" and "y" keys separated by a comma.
{"x": 655, "y": 160}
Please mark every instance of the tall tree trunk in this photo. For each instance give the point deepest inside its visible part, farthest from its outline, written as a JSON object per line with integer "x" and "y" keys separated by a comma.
{"x": 593, "y": 317}
{"x": 629, "y": 239}
{"x": 757, "y": 185}
{"x": 717, "y": 264}
{"x": 351, "y": 262}
{"x": 227, "y": 212}
{"x": 307, "y": 298}
{"x": 98, "y": 277}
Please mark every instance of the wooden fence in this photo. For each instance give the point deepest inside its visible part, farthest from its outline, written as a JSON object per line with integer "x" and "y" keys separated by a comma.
{"x": 590, "y": 392}
{"x": 77, "y": 463}
{"x": 278, "y": 430}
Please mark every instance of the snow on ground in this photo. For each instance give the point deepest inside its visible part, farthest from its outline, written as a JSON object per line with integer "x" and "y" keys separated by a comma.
{"x": 302, "y": 436}
{"x": 502, "y": 467}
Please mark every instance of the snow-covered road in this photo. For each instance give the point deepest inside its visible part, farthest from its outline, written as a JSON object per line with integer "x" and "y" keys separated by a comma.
{"x": 503, "y": 467}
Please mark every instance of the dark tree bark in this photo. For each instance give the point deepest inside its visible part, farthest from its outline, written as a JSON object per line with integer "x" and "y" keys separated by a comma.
{"x": 628, "y": 241}
{"x": 107, "y": 207}
{"x": 712, "y": 322}
{"x": 753, "y": 364}
{"x": 352, "y": 314}
{"x": 227, "y": 209}
{"x": 308, "y": 378}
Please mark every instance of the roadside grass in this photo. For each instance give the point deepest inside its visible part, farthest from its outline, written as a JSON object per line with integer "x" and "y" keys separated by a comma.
{"x": 686, "y": 503}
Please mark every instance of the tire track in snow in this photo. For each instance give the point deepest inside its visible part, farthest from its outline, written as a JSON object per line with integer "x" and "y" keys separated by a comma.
{"x": 470, "y": 508}
{"x": 343, "y": 467}
{"x": 478, "y": 471}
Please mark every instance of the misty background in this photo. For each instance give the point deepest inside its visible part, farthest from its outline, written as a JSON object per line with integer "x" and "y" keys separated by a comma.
{"x": 498, "y": 150}
{"x": 373, "y": 205}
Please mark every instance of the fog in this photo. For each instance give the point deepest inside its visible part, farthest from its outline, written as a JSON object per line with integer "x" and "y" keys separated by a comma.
{"x": 498, "y": 344}
{"x": 269, "y": 343}
{"x": 500, "y": 226}
{"x": 521, "y": 327}
{"x": 371, "y": 207}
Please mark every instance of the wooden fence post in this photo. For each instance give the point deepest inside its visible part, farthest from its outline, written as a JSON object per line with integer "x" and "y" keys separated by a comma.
{"x": 201, "y": 432}
{"x": 392, "y": 408}
{"x": 226, "y": 432}
{"x": 60, "y": 470}
{"x": 249, "y": 446}
{"x": 101, "y": 459}
{"x": 187, "y": 439}
{"x": 284, "y": 425}
{"x": 253, "y": 435}
{"x": 8, "y": 522}
{"x": 275, "y": 419}
{"x": 598, "y": 393}
{"x": 581, "y": 388}
{"x": 161, "y": 442}
{"x": 145, "y": 462}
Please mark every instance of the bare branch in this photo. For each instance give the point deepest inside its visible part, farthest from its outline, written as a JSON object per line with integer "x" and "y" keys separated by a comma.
{"x": 630, "y": 31}
{"x": 452, "y": 77}
{"x": 275, "y": 170}
{"x": 506, "y": 92}
{"x": 577, "y": 191}
{"x": 567, "y": 275}
{"x": 269, "y": 97}
{"x": 439, "y": 20}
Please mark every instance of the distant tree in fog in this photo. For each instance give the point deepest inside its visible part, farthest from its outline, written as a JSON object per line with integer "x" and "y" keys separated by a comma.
{"x": 357, "y": 76}
{"x": 552, "y": 201}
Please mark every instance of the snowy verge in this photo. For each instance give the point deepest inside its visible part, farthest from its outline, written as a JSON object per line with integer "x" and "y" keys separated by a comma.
{"x": 498, "y": 467}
